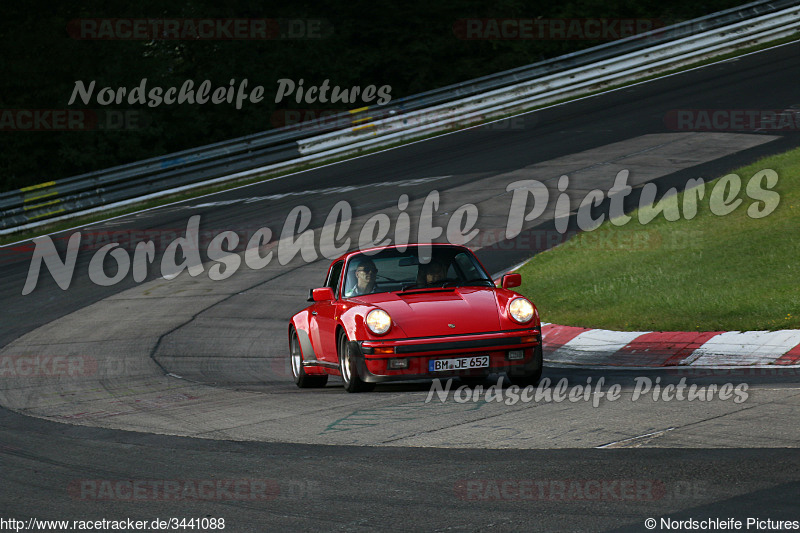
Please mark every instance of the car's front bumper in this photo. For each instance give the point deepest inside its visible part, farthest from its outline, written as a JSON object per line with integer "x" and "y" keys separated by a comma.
{"x": 373, "y": 357}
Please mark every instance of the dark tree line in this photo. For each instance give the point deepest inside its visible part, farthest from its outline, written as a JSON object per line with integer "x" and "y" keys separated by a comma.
{"x": 410, "y": 46}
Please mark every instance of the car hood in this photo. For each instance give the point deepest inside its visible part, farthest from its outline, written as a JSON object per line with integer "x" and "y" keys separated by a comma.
{"x": 430, "y": 313}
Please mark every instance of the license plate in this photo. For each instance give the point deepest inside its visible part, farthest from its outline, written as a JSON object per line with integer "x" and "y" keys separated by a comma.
{"x": 460, "y": 363}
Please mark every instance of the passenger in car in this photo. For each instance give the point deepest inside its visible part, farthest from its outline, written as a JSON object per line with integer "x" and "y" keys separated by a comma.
{"x": 434, "y": 273}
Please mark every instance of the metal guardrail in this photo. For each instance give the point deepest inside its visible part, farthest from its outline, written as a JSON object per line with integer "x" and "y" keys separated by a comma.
{"x": 400, "y": 118}
{"x": 548, "y": 88}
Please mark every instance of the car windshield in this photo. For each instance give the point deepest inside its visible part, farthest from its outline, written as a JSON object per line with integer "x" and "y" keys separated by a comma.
{"x": 392, "y": 270}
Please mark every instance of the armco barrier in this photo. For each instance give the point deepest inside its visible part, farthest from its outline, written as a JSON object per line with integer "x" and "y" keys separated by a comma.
{"x": 404, "y": 118}
{"x": 139, "y": 179}
{"x": 619, "y": 69}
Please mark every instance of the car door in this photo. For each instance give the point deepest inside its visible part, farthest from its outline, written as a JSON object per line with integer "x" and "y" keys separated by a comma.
{"x": 323, "y": 319}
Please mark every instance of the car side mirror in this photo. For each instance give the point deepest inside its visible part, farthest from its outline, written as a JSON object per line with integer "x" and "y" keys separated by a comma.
{"x": 323, "y": 294}
{"x": 511, "y": 280}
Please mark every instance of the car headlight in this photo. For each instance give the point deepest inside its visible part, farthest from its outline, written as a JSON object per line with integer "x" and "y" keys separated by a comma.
{"x": 379, "y": 321}
{"x": 520, "y": 310}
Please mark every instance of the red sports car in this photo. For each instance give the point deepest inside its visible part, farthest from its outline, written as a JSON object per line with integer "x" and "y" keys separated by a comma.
{"x": 414, "y": 312}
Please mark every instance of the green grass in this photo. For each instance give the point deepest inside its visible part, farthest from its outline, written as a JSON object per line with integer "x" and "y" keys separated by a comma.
{"x": 710, "y": 273}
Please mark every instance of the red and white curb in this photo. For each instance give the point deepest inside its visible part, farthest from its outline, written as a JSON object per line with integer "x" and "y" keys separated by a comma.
{"x": 600, "y": 347}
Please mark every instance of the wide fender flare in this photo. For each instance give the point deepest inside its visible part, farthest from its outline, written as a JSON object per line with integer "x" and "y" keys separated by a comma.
{"x": 301, "y": 324}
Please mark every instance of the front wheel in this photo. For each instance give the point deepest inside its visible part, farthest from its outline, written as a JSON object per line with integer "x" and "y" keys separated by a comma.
{"x": 347, "y": 367}
{"x": 301, "y": 379}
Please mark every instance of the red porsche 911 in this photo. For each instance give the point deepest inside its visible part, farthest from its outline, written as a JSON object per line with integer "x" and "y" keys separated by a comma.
{"x": 414, "y": 312}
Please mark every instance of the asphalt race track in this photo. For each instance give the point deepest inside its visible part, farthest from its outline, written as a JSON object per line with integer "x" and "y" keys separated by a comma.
{"x": 174, "y": 398}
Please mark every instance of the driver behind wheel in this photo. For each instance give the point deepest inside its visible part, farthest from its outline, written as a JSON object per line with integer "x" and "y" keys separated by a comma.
{"x": 362, "y": 278}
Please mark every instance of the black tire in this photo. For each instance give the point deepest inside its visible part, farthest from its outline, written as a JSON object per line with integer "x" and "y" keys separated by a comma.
{"x": 301, "y": 379}
{"x": 347, "y": 367}
{"x": 531, "y": 378}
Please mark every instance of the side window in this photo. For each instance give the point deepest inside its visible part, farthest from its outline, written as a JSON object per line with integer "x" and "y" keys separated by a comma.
{"x": 333, "y": 277}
